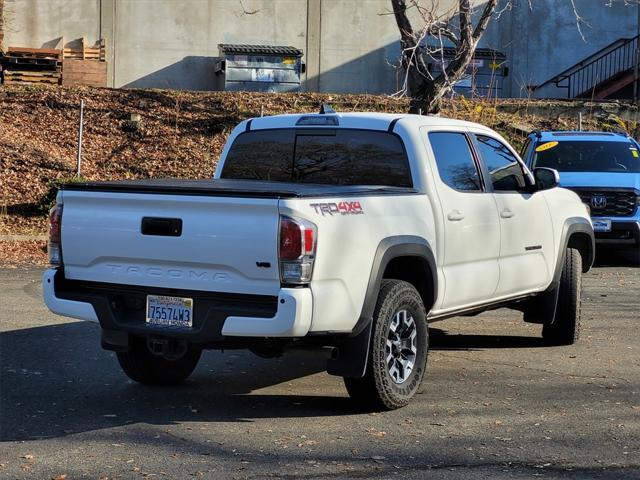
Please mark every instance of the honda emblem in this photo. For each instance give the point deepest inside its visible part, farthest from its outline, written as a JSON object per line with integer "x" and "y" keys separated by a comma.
{"x": 598, "y": 201}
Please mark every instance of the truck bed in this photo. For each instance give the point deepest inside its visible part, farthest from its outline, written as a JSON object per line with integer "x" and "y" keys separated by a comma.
{"x": 236, "y": 188}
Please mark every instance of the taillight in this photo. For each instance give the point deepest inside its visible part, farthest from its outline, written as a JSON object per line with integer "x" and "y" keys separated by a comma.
{"x": 297, "y": 249}
{"x": 55, "y": 235}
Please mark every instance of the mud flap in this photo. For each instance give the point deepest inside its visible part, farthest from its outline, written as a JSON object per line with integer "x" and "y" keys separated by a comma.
{"x": 351, "y": 355}
{"x": 541, "y": 309}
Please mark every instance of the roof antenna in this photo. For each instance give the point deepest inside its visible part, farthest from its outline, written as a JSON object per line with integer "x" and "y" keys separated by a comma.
{"x": 326, "y": 108}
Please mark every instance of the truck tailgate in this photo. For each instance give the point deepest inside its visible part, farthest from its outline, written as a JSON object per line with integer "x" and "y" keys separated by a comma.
{"x": 226, "y": 244}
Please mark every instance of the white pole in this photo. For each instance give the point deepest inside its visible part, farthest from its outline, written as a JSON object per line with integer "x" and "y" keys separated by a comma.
{"x": 80, "y": 127}
{"x": 580, "y": 121}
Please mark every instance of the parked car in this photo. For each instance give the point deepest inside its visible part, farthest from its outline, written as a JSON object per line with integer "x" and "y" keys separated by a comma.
{"x": 604, "y": 169}
{"x": 348, "y": 231}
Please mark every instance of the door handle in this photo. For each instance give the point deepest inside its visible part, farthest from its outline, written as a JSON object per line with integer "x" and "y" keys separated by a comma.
{"x": 455, "y": 215}
{"x": 164, "y": 227}
{"x": 506, "y": 213}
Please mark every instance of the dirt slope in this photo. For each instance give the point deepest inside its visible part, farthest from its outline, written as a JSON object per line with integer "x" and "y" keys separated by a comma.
{"x": 180, "y": 134}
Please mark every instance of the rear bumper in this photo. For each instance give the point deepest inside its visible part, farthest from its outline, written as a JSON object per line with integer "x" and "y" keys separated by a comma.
{"x": 622, "y": 233}
{"x": 216, "y": 315}
{"x": 63, "y": 306}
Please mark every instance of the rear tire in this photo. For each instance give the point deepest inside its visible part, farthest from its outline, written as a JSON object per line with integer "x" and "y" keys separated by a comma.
{"x": 398, "y": 352}
{"x": 565, "y": 329}
{"x": 142, "y": 366}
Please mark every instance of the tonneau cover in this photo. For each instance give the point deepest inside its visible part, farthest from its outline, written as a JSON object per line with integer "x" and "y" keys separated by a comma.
{"x": 235, "y": 188}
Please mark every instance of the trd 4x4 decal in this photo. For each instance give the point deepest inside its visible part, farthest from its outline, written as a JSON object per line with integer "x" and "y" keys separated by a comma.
{"x": 343, "y": 208}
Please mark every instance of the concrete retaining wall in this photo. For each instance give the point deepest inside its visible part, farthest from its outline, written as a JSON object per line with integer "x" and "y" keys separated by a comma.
{"x": 350, "y": 45}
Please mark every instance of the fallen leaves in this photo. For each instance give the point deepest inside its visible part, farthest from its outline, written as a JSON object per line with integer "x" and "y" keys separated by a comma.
{"x": 16, "y": 253}
{"x": 375, "y": 433}
{"x": 38, "y": 139}
{"x": 25, "y": 467}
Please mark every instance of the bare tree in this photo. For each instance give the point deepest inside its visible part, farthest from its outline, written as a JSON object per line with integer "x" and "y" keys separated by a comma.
{"x": 461, "y": 28}
{"x": 427, "y": 88}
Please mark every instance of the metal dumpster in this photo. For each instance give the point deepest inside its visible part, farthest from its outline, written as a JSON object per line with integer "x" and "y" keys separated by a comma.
{"x": 484, "y": 76}
{"x": 259, "y": 68}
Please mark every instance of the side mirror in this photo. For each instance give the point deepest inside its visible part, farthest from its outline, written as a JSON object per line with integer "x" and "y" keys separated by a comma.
{"x": 546, "y": 178}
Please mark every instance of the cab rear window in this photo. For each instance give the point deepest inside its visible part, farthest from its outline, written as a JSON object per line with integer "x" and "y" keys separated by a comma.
{"x": 321, "y": 156}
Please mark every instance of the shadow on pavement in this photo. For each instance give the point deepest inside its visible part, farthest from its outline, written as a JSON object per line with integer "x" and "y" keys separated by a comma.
{"x": 441, "y": 340}
{"x": 56, "y": 380}
{"x": 617, "y": 257}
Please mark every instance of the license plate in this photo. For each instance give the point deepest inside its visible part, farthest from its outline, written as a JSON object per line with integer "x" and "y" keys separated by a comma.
{"x": 169, "y": 311}
{"x": 601, "y": 225}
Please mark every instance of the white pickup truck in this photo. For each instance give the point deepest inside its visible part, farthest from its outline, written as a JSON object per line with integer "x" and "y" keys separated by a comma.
{"x": 348, "y": 231}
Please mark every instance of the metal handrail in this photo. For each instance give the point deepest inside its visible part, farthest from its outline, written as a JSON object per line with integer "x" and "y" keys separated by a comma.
{"x": 582, "y": 78}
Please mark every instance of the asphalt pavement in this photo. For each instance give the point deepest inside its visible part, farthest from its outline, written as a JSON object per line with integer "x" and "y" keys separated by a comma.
{"x": 496, "y": 403}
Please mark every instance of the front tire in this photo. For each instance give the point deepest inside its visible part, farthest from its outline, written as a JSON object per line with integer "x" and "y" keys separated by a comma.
{"x": 565, "y": 329}
{"x": 142, "y": 366}
{"x": 398, "y": 351}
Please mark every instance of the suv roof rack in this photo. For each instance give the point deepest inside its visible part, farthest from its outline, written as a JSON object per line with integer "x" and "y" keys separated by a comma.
{"x": 581, "y": 133}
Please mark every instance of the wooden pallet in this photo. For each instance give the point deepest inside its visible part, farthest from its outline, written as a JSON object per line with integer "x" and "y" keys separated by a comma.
{"x": 96, "y": 52}
{"x": 49, "y": 63}
{"x": 20, "y": 81}
{"x": 84, "y": 72}
{"x": 69, "y": 66}
{"x": 31, "y": 65}
{"x": 28, "y": 76}
{"x": 86, "y": 54}
{"x": 17, "y": 73}
{"x": 35, "y": 53}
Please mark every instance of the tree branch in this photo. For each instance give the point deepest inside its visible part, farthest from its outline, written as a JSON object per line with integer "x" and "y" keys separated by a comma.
{"x": 407, "y": 36}
{"x": 484, "y": 19}
{"x": 466, "y": 36}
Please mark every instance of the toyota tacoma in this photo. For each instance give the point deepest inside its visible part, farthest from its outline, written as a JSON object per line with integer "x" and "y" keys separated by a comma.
{"x": 350, "y": 232}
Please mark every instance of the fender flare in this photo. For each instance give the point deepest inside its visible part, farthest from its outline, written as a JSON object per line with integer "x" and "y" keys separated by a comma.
{"x": 353, "y": 348}
{"x": 571, "y": 226}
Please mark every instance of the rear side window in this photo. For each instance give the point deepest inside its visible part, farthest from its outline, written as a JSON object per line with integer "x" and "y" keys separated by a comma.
{"x": 504, "y": 169}
{"x": 336, "y": 157}
{"x": 455, "y": 162}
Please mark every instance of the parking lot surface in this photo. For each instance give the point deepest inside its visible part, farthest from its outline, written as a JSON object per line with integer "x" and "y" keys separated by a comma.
{"x": 495, "y": 403}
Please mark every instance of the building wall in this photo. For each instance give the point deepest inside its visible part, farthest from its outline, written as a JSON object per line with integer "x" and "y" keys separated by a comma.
{"x": 354, "y": 37}
{"x": 542, "y": 43}
{"x": 349, "y": 45}
{"x": 179, "y": 51}
{"x": 43, "y": 23}
{"x": 1, "y": 24}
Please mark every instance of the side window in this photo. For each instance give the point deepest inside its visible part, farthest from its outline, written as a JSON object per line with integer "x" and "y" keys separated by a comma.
{"x": 455, "y": 162}
{"x": 504, "y": 169}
